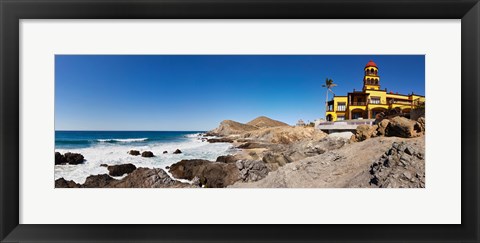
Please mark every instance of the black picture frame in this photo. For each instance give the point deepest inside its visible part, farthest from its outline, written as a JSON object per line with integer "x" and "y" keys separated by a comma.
{"x": 12, "y": 11}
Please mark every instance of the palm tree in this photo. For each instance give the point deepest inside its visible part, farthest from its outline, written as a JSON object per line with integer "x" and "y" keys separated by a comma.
{"x": 329, "y": 85}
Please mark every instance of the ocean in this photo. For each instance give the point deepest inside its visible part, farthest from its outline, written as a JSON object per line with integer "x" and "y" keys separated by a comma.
{"x": 111, "y": 147}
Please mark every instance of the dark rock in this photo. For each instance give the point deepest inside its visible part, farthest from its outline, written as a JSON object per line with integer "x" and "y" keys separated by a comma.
{"x": 210, "y": 174}
{"x": 74, "y": 158}
{"x": 147, "y": 154}
{"x": 220, "y": 140}
{"x": 119, "y": 170}
{"x": 177, "y": 151}
{"x": 62, "y": 183}
{"x": 167, "y": 167}
{"x": 99, "y": 181}
{"x": 226, "y": 159}
{"x": 149, "y": 178}
{"x": 104, "y": 165}
{"x": 165, "y": 152}
{"x": 59, "y": 158}
{"x": 134, "y": 152}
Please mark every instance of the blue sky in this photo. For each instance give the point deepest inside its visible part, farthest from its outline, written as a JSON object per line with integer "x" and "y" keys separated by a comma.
{"x": 196, "y": 92}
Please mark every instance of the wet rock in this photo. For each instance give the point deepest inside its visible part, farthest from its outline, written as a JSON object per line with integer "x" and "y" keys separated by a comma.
{"x": 134, "y": 152}
{"x": 147, "y": 154}
{"x": 74, "y": 158}
{"x": 165, "y": 152}
{"x": 211, "y": 174}
{"x": 103, "y": 165}
{"x": 177, "y": 151}
{"x": 59, "y": 159}
{"x": 119, "y": 170}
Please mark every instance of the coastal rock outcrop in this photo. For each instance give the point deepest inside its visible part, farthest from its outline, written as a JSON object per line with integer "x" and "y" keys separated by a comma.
{"x": 69, "y": 158}
{"x": 402, "y": 166}
{"x": 149, "y": 178}
{"x": 177, "y": 151}
{"x": 119, "y": 170}
{"x": 252, "y": 170}
{"x": 147, "y": 154}
{"x": 134, "y": 152}
{"x": 139, "y": 178}
{"x": 210, "y": 174}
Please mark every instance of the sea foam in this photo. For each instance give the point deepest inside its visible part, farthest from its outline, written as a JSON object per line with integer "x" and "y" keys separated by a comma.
{"x": 116, "y": 153}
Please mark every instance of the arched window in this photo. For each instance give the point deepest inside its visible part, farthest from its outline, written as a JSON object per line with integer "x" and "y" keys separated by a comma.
{"x": 371, "y": 70}
{"x": 375, "y": 72}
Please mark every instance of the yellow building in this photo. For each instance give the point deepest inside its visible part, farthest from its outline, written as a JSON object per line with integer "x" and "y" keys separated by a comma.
{"x": 371, "y": 100}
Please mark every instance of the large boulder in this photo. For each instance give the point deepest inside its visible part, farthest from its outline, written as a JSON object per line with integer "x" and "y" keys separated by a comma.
{"x": 364, "y": 132}
{"x": 134, "y": 152}
{"x": 401, "y": 127}
{"x": 252, "y": 170}
{"x": 74, "y": 158}
{"x": 177, "y": 151}
{"x": 210, "y": 174}
{"x": 119, "y": 170}
{"x": 147, "y": 154}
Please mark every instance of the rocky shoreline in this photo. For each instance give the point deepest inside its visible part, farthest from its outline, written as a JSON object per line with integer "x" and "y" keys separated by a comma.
{"x": 273, "y": 154}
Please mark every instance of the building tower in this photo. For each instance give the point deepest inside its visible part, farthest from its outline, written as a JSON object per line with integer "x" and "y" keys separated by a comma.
{"x": 371, "y": 80}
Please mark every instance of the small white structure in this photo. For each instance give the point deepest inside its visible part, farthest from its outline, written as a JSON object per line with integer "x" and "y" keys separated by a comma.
{"x": 300, "y": 123}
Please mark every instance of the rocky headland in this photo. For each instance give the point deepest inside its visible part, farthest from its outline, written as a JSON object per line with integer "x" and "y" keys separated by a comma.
{"x": 272, "y": 154}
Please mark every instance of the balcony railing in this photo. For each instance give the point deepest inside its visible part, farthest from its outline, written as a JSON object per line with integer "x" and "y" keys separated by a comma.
{"x": 358, "y": 103}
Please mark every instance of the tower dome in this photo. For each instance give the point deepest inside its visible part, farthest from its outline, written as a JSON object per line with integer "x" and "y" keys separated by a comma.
{"x": 371, "y": 64}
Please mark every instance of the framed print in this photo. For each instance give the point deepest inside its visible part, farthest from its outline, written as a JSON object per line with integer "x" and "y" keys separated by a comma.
{"x": 174, "y": 121}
